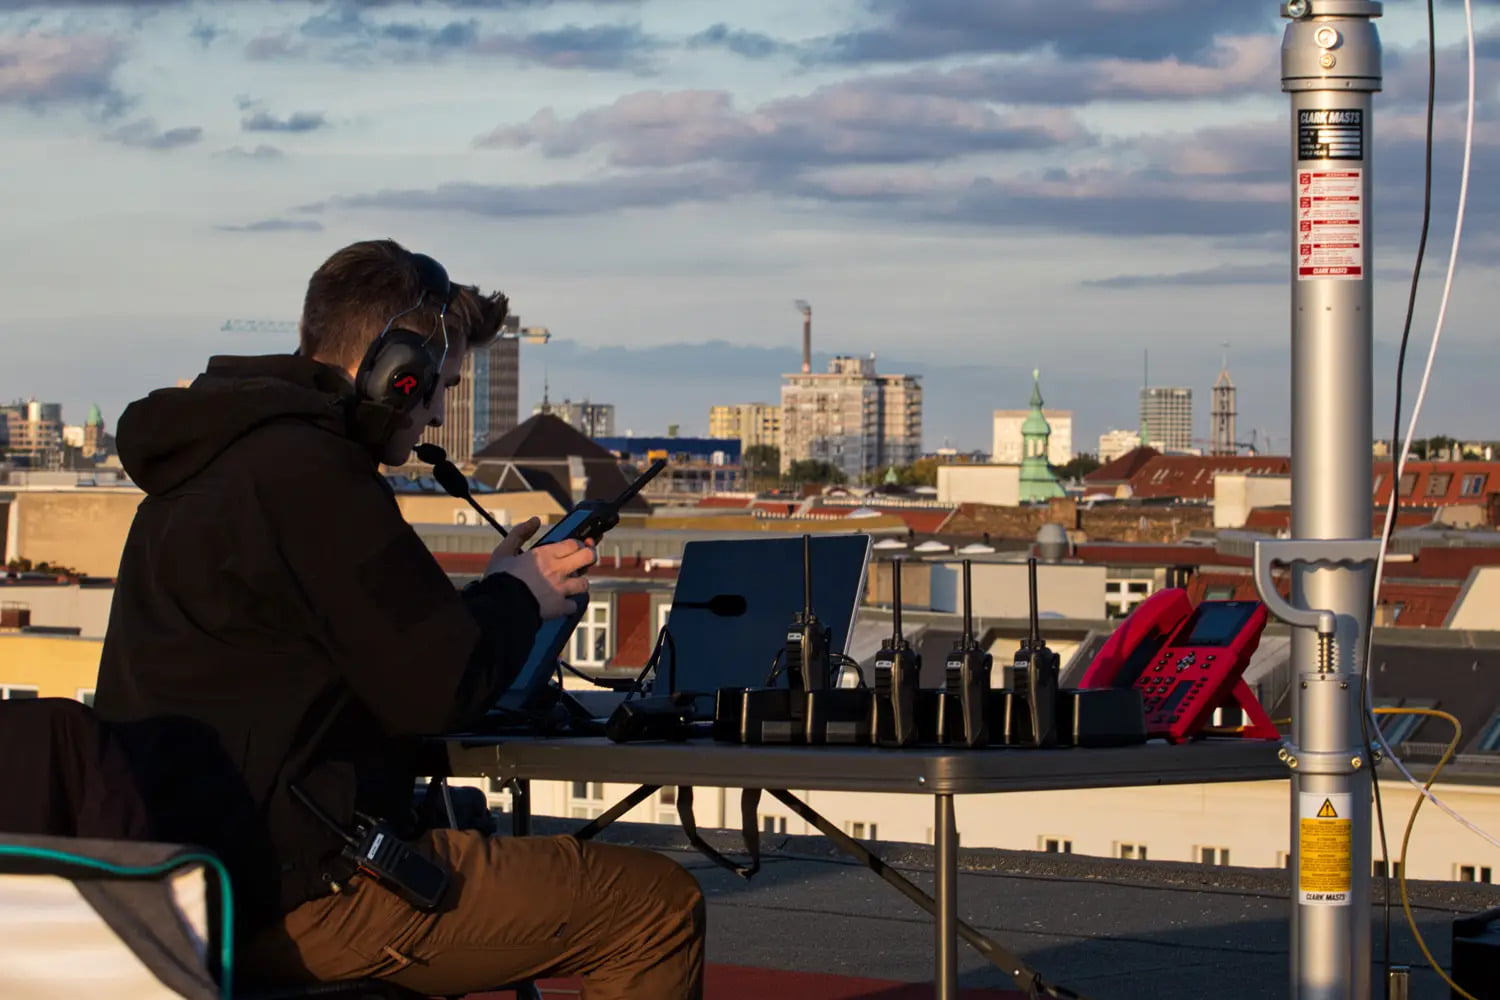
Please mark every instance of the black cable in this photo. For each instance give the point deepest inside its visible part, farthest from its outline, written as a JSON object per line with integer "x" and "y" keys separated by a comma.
{"x": 1389, "y": 528}
{"x": 775, "y": 668}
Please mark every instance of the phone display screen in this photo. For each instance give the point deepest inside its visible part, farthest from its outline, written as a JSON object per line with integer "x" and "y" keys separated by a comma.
{"x": 564, "y": 528}
{"x": 1217, "y": 624}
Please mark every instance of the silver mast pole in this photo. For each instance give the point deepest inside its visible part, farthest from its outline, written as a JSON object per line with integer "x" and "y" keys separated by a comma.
{"x": 1331, "y": 66}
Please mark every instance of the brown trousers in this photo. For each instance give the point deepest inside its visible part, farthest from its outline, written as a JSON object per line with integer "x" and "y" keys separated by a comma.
{"x": 629, "y": 921}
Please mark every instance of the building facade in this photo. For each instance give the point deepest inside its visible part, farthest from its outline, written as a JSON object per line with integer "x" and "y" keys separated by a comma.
{"x": 851, "y": 418}
{"x": 594, "y": 420}
{"x": 1167, "y": 418}
{"x": 35, "y": 433}
{"x": 752, "y": 424}
{"x": 484, "y": 404}
{"x": 1113, "y": 444}
{"x": 1009, "y": 444}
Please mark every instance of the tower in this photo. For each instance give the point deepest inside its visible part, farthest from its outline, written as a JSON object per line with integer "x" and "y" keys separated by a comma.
{"x": 1222, "y": 417}
{"x": 93, "y": 433}
{"x": 1037, "y": 480}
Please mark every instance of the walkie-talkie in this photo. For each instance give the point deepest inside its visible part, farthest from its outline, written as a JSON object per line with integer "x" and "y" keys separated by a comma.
{"x": 807, "y": 642}
{"x": 967, "y": 675}
{"x": 898, "y": 671}
{"x": 592, "y": 518}
{"x": 1033, "y": 678}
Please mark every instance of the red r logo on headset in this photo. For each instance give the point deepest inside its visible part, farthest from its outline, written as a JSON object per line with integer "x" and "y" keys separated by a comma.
{"x": 406, "y": 384}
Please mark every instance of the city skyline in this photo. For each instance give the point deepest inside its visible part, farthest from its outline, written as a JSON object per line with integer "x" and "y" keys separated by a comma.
{"x": 967, "y": 192}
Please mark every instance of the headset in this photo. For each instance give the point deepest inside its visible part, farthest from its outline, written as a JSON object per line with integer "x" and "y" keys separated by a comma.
{"x": 401, "y": 367}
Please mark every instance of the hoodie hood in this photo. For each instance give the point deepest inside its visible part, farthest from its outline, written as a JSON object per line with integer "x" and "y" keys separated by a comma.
{"x": 172, "y": 434}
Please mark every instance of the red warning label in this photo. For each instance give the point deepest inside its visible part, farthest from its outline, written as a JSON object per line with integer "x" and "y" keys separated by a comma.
{"x": 1330, "y": 224}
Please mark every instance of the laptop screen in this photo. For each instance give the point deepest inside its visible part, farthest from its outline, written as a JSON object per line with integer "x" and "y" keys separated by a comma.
{"x": 735, "y": 599}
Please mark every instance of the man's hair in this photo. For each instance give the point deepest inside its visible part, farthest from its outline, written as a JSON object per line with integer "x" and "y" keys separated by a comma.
{"x": 357, "y": 291}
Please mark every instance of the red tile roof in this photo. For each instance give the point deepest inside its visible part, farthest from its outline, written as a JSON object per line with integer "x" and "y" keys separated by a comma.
{"x": 1439, "y": 484}
{"x": 732, "y": 503}
{"x": 1275, "y": 519}
{"x": 1122, "y": 468}
{"x": 1191, "y": 477}
{"x": 1434, "y": 563}
{"x": 1423, "y": 605}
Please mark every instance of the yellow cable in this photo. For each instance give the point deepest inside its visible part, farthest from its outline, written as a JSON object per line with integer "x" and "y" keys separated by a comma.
{"x": 1448, "y": 753}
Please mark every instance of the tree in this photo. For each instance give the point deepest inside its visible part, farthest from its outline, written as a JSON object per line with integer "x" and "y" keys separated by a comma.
{"x": 809, "y": 471}
{"x": 24, "y": 565}
{"x": 1080, "y": 466}
{"x": 762, "y": 464}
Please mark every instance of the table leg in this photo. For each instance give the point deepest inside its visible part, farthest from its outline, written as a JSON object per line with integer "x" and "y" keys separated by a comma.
{"x": 520, "y": 807}
{"x": 946, "y": 878}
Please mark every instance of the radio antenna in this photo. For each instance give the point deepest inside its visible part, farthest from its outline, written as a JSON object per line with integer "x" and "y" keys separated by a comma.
{"x": 968, "y": 639}
{"x": 1036, "y": 629}
{"x": 896, "y": 602}
{"x": 806, "y": 577}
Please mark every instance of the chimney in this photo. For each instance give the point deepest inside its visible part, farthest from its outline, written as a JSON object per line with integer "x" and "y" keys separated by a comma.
{"x": 805, "y": 308}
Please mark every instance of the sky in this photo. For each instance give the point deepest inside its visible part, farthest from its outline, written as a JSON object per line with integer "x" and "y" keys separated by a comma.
{"x": 968, "y": 190}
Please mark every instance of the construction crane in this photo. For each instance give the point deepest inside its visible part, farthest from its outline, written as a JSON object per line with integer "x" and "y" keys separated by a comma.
{"x": 529, "y": 334}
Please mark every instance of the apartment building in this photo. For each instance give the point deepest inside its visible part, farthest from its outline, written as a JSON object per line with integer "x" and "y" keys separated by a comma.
{"x": 852, "y": 418}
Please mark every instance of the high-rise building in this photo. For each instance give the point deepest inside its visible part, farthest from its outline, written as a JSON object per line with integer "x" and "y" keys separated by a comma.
{"x": 850, "y": 417}
{"x": 1221, "y": 419}
{"x": 752, "y": 424}
{"x": 483, "y": 405}
{"x": 1009, "y": 443}
{"x": 1167, "y": 418}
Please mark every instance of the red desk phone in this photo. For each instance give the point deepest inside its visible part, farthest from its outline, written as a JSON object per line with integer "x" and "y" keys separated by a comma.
{"x": 1187, "y": 662}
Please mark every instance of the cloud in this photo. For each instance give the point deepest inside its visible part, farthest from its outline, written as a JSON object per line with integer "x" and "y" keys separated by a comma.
{"x": 909, "y": 30}
{"x": 143, "y": 134}
{"x": 652, "y": 190}
{"x": 844, "y": 123}
{"x": 1232, "y": 66}
{"x": 297, "y": 121}
{"x": 260, "y": 152}
{"x": 1226, "y": 274}
{"x": 277, "y": 226}
{"x": 750, "y": 44}
{"x": 605, "y": 46}
{"x": 41, "y": 68}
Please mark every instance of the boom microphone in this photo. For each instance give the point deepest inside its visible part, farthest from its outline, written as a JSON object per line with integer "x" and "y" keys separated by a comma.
{"x": 723, "y": 605}
{"x": 451, "y": 480}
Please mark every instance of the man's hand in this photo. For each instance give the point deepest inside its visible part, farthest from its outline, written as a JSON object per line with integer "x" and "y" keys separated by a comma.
{"x": 552, "y": 572}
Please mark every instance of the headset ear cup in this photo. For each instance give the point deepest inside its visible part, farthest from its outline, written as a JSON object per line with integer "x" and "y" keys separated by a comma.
{"x": 402, "y": 372}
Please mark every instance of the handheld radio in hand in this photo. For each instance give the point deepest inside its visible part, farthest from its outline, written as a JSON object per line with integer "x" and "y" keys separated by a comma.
{"x": 592, "y": 518}
{"x": 967, "y": 675}
{"x": 451, "y": 480}
{"x": 1033, "y": 679}
{"x": 897, "y": 676}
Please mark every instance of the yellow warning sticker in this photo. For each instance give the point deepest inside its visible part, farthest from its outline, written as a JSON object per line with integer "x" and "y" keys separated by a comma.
{"x": 1325, "y": 865}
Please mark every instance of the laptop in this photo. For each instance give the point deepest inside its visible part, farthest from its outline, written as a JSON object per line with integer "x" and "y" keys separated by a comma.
{"x": 735, "y": 598}
{"x": 730, "y": 610}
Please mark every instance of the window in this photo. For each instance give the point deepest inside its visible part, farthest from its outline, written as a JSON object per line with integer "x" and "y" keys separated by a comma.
{"x": 1489, "y": 736}
{"x": 1131, "y": 852}
{"x": 1283, "y": 859}
{"x": 1213, "y": 855}
{"x": 857, "y": 830}
{"x": 668, "y": 796}
{"x": 1473, "y": 873}
{"x": 1121, "y": 596}
{"x": 586, "y": 799}
{"x": 1218, "y": 594}
{"x": 591, "y": 640}
{"x": 1056, "y": 845}
{"x": 1398, "y": 729}
{"x": 1408, "y": 483}
{"x": 1473, "y": 486}
{"x": 1438, "y": 483}
{"x": 1378, "y": 869}
{"x": 86, "y": 695}
{"x": 773, "y": 824}
{"x": 14, "y": 692}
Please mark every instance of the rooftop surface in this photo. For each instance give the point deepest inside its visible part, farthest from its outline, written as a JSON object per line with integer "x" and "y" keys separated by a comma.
{"x": 1107, "y": 929}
